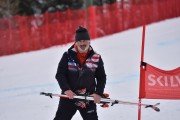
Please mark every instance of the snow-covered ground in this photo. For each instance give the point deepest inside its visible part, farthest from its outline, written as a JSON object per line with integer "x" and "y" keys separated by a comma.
{"x": 23, "y": 76}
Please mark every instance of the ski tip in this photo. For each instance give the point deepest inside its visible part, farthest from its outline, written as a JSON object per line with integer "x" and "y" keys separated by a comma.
{"x": 156, "y": 109}
{"x": 157, "y": 104}
{"x": 42, "y": 93}
{"x": 153, "y": 107}
{"x": 46, "y": 94}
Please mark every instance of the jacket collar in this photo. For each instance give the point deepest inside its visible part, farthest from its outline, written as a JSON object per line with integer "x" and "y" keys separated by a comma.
{"x": 73, "y": 52}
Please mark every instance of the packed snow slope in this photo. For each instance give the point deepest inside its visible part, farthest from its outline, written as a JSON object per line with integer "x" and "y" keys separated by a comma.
{"x": 23, "y": 76}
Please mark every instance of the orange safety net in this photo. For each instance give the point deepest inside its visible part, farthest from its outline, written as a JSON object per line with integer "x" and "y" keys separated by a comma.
{"x": 159, "y": 84}
{"x": 27, "y": 33}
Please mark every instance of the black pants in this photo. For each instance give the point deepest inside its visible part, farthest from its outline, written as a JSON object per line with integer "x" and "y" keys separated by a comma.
{"x": 67, "y": 109}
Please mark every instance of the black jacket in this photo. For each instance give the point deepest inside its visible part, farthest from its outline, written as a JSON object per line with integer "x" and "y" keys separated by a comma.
{"x": 91, "y": 76}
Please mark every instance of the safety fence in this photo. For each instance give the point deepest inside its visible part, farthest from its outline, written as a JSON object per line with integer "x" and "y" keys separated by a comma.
{"x": 27, "y": 33}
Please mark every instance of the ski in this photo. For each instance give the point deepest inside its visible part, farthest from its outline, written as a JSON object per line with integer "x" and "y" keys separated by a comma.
{"x": 104, "y": 100}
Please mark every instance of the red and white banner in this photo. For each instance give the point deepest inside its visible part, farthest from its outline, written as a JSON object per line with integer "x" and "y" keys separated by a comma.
{"x": 159, "y": 84}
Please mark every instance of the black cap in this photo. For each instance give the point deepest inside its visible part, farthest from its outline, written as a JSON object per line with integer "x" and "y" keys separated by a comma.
{"x": 82, "y": 34}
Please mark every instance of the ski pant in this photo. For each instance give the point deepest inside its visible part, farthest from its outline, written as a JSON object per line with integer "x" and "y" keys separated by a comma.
{"x": 67, "y": 109}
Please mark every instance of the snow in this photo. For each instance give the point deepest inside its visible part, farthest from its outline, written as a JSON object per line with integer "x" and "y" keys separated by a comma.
{"x": 23, "y": 76}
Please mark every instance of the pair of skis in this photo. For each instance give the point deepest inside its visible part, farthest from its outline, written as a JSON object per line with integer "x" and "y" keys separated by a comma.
{"x": 104, "y": 100}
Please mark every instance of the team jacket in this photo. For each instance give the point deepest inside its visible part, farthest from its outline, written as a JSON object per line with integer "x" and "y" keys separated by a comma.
{"x": 91, "y": 76}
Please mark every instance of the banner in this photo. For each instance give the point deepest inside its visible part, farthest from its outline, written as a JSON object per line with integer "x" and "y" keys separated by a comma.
{"x": 159, "y": 84}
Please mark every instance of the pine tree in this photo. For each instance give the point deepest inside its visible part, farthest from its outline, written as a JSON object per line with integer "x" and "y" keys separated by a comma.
{"x": 8, "y": 8}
